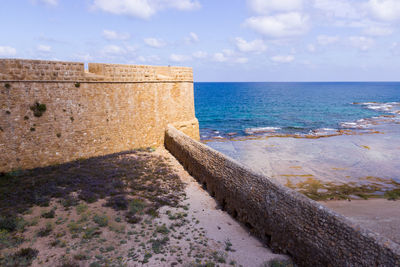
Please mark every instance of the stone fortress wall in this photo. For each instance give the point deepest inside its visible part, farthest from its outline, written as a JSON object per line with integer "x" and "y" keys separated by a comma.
{"x": 54, "y": 112}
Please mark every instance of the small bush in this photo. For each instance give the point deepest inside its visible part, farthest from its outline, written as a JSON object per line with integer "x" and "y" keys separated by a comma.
{"x": 69, "y": 201}
{"x": 74, "y": 228}
{"x": 392, "y": 194}
{"x": 81, "y": 208}
{"x": 101, "y": 220}
{"x": 117, "y": 202}
{"x": 81, "y": 257}
{"x": 23, "y": 257}
{"x": 48, "y": 215}
{"x": 45, "y": 231}
{"x": 136, "y": 206}
{"x": 280, "y": 263}
{"x": 9, "y": 240}
{"x": 77, "y": 84}
{"x": 158, "y": 244}
{"x": 91, "y": 232}
{"x": 8, "y": 223}
{"x": 163, "y": 229}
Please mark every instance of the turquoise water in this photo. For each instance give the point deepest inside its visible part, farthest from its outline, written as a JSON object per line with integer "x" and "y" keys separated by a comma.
{"x": 291, "y": 108}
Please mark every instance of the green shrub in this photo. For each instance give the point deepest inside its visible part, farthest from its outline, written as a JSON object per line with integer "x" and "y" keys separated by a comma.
{"x": 8, "y": 223}
{"x": 23, "y": 257}
{"x": 101, "y": 220}
{"x": 136, "y": 205}
{"x": 45, "y": 231}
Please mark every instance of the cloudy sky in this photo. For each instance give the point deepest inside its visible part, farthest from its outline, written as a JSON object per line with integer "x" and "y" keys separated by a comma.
{"x": 223, "y": 40}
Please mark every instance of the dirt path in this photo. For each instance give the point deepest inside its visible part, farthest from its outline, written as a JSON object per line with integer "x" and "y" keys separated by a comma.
{"x": 220, "y": 228}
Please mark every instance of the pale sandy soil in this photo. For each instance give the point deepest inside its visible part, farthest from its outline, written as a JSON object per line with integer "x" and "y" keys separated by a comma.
{"x": 220, "y": 227}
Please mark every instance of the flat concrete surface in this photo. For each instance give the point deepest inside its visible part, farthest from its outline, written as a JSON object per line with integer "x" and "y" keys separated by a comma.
{"x": 379, "y": 215}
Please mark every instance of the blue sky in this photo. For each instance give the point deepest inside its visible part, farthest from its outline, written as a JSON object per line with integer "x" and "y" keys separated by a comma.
{"x": 223, "y": 40}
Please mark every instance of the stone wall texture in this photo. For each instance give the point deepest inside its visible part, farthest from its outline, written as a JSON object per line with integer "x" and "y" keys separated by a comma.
{"x": 108, "y": 109}
{"x": 285, "y": 220}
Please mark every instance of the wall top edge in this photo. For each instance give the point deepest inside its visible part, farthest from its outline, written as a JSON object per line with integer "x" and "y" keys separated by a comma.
{"x": 45, "y": 70}
{"x": 41, "y": 61}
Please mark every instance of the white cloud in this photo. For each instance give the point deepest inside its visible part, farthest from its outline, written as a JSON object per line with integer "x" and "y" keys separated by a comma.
{"x": 266, "y": 6}
{"x": 242, "y": 60}
{"x": 47, "y": 2}
{"x": 44, "y": 48}
{"x": 84, "y": 57}
{"x": 361, "y": 42}
{"x": 338, "y": 8}
{"x": 192, "y": 38}
{"x": 327, "y": 40}
{"x": 143, "y": 8}
{"x": 388, "y": 10}
{"x": 251, "y": 46}
{"x": 154, "y": 42}
{"x": 281, "y": 25}
{"x": 51, "y": 2}
{"x": 395, "y": 48}
{"x": 282, "y": 59}
{"x": 200, "y": 54}
{"x": 378, "y": 31}
{"x": 220, "y": 57}
{"x": 311, "y": 48}
{"x": 151, "y": 59}
{"x": 228, "y": 52}
{"x": 113, "y": 35}
{"x": 113, "y": 50}
{"x": 7, "y": 51}
{"x": 179, "y": 58}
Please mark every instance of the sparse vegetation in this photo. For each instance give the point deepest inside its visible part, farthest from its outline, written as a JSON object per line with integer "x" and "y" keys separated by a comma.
{"x": 49, "y": 214}
{"x": 317, "y": 190}
{"x": 280, "y": 263}
{"x": 45, "y": 231}
{"x": 107, "y": 215}
{"x": 22, "y": 257}
{"x": 392, "y": 194}
{"x": 100, "y": 220}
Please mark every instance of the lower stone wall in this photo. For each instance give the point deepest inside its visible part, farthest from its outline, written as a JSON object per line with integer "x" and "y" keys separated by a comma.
{"x": 286, "y": 220}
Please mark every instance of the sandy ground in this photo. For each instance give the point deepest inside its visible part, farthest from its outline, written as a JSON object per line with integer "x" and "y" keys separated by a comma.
{"x": 220, "y": 226}
{"x": 379, "y": 215}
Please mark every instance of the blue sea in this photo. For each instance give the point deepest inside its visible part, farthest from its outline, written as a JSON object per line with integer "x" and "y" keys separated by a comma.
{"x": 226, "y": 110}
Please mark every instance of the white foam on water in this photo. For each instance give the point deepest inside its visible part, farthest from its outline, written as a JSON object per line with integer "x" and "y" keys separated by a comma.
{"x": 324, "y": 131}
{"x": 261, "y": 130}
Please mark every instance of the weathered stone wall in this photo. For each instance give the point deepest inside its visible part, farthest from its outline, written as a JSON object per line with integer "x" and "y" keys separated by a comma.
{"x": 109, "y": 109}
{"x": 286, "y": 220}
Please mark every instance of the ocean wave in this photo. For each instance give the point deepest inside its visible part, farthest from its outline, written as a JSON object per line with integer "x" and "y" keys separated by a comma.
{"x": 324, "y": 131}
{"x": 261, "y": 130}
{"x": 355, "y": 125}
{"x": 389, "y": 107}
